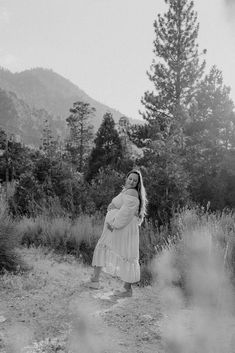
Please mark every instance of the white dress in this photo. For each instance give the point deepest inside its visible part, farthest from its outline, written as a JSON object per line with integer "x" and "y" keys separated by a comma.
{"x": 118, "y": 251}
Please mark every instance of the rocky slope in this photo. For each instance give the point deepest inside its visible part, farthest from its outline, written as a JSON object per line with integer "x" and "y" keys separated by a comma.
{"x": 38, "y": 94}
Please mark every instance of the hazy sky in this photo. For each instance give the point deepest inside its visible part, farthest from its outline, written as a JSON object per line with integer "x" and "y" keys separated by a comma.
{"x": 105, "y": 46}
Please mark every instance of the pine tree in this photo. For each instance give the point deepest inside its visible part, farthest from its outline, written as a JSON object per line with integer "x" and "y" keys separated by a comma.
{"x": 175, "y": 73}
{"x": 211, "y": 115}
{"x": 14, "y": 157}
{"x": 81, "y": 133}
{"x": 176, "y": 70}
{"x": 210, "y": 132}
{"x": 49, "y": 143}
{"x": 107, "y": 150}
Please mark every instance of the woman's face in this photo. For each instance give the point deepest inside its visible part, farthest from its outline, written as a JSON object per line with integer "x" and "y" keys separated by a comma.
{"x": 132, "y": 181}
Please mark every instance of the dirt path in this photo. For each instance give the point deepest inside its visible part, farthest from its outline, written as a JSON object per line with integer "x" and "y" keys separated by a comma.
{"x": 48, "y": 309}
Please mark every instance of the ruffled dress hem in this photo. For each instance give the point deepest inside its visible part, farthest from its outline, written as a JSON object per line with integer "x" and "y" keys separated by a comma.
{"x": 127, "y": 269}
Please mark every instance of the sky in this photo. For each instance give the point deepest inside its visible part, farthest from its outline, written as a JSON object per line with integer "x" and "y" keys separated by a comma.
{"x": 105, "y": 47}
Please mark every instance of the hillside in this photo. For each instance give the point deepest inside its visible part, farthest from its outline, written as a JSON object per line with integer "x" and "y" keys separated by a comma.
{"x": 26, "y": 123}
{"x": 44, "y": 89}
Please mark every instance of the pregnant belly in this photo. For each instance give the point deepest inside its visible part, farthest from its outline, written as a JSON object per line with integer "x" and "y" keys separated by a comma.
{"x": 110, "y": 215}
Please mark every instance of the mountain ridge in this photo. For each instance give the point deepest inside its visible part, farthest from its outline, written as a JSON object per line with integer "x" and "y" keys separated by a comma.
{"x": 38, "y": 94}
{"x": 34, "y": 95}
{"x": 53, "y": 85}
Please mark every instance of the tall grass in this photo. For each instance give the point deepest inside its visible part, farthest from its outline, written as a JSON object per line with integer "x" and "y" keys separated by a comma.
{"x": 152, "y": 240}
{"x": 77, "y": 237}
{"x": 200, "y": 263}
{"x": 219, "y": 236}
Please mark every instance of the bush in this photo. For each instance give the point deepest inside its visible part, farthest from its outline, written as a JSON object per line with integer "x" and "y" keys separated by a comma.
{"x": 9, "y": 258}
{"x": 104, "y": 186}
{"x": 27, "y": 196}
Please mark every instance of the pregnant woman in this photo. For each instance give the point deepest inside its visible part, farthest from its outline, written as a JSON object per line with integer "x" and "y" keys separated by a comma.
{"x": 117, "y": 251}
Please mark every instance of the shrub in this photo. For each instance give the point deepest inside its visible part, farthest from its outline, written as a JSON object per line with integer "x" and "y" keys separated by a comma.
{"x": 9, "y": 258}
{"x": 27, "y": 196}
{"x": 104, "y": 186}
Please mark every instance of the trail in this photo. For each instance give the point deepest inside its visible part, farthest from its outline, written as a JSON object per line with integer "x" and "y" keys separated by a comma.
{"x": 48, "y": 309}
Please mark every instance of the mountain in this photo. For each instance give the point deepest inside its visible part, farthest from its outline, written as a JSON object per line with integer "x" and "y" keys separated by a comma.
{"x": 24, "y": 122}
{"x": 39, "y": 92}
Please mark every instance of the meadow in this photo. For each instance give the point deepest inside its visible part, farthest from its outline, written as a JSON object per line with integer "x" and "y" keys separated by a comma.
{"x": 78, "y": 237}
{"x": 187, "y": 279}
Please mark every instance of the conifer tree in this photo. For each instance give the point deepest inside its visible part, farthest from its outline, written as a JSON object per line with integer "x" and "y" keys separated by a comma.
{"x": 49, "y": 143}
{"x": 176, "y": 69}
{"x": 211, "y": 120}
{"x": 175, "y": 73}
{"x": 107, "y": 150}
{"x": 210, "y": 132}
{"x": 81, "y": 133}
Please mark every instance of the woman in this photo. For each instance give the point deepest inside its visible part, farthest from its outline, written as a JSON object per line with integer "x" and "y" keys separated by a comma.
{"x": 117, "y": 251}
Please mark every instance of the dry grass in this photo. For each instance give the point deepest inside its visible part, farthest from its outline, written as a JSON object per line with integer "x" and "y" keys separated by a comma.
{"x": 219, "y": 237}
{"x": 194, "y": 275}
{"x": 79, "y": 237}
{"x": 62, "y": 234}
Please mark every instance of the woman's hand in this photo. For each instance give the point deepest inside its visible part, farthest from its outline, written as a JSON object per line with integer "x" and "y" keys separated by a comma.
{"x": 109, "y": 227}
{"x": 111, "y": 207}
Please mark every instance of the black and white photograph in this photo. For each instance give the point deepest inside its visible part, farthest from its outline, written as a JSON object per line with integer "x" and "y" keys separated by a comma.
{"x": 117, "y": 176}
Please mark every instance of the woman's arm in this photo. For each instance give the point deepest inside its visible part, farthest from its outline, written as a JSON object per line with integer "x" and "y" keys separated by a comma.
{"x": 128, "y": 210}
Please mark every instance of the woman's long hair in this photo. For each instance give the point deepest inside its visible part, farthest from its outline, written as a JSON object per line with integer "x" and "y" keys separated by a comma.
{"x": 141, "y": 193}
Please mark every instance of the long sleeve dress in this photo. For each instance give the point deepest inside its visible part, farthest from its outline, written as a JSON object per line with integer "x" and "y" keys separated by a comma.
{"x": 118, "y": 251}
